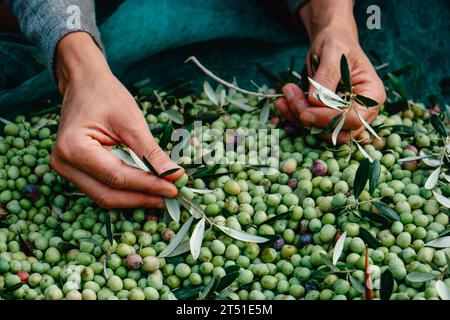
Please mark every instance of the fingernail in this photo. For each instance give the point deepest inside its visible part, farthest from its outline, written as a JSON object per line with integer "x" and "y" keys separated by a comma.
{"x": 289, "y": 93}
{"x": 169, "y": 166}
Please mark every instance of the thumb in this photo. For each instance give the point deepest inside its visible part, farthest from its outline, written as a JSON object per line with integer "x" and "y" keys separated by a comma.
{"x": 328, "y": 74}
{"x": 139, "y": 138}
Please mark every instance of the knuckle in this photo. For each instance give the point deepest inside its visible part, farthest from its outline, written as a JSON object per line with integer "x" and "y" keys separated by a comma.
{"x": 116, "y": 179}
{"x": 104, "y": 201}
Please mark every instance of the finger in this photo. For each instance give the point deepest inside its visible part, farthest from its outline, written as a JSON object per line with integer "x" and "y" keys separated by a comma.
{"x": 283, "y": 107}
{"x": 89, "y": 156}
{"x": 137, "y": 136}
{"x": 102, "y": 194}
{"x": 321, "y": 116}
{"x": 328, "y": 74}
{"x": 295, "y": 98}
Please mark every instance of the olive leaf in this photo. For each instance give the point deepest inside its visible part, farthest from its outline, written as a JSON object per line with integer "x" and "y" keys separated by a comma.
{"x": 345, "y": 74}
{"x": 206, "y": 291}
{"x": 395, "y": 107}
{"x": 328, "y": 262}
{"x": 359, "y": 287}
{"x": 339, "y": 247}
{"x": 327, "y": 93}
{"x": 437, "y": 124}
{"x": 361, "y": 177}
{"x": 225, "y": 294}
{"x": 386, "y": 211}
{"x": 314, "y": 62}
{"x": 316, "y": 130}
{"x": 443, "y": 242}
{"x": 368, "y": 127}
{"x": 420, "y": 276}
{"x": 241, "y": 104}
{"x": 138, "y": 162}
{"x": 181, "y": 249}
{"x": 149, "y": 166}
{"x": 331, "y": 125}
{"x": 26, "y": 246}
{"x": 275, "y": 218}
{"x": 196, "y": 239}
{"x": 397, "y": 86}
{"x": 442, "y": 290}
{"x": 166, "y": 136}
{"x": 200, "y": 191}
{"x": 168, "y": 172}
{"x": 366, "y": 102}
{"x": 415, "y": 158}
{"x": 12, "y": 288}
{"x": 369, "y": 238}
{"x": 265, "y": 112}
{"x": 175, "y": 116}
{"x": 364, "y": 152}
{"x": 378, "y": 218}
{"x": 241, "y": 235}
{"x": 64, "y": 247}
{"x": 337, "y": 130}
{"x": 447, "y": 260}
{"x": 177, "y": 238}
{"x": 445, "y": 232}
{"x": 210, "y": 93}
{"x": 108, "y": 228}
{"x": 231, "y": 274}
{"x": 374, "y": 175}
{"x": 188, "y": 292}
{"x": 222, "y": 96}
{"x": 173, "y": 208}
{"x": 387, "y": 285}
{"x": 432, "y": 179}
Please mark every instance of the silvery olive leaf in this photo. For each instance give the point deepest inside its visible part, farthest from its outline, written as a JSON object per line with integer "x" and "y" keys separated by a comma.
{"x": 326, "y": 92}
{"x": 182, "y": 248}
{"x": 200, "y": 191}
{"x": 173, "y": 208}
{"x": 241, "y": 105}
{"x": 316, "y": 130}
{"x": 415, "y": 158}
{"x": 339, "y": 247}
{"x": 442, "y": 242}
{"x": 125, "y": 157}
{"x": 265, "y": 112}
{"x": 364, "y": 152}
{"x": 337, "y": 130}
{"x": 420, "y": 276}
{"x": 210, "y": 93}
{"x": 429, "y": 161}
{"x": 333, "y": 104}
{"x": 368, "y": 127}
{"x": 196, "y": 239}
{"x": 433, "y": 179}
{"x": 441, "y": 199}
{"x": 241, "y": 235}
{"x": 138, "y": 161}
{"x": 442, "y": 290}
{"x": 177, "y": 238}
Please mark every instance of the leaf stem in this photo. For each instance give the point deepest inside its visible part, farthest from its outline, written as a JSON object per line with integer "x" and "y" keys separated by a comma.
{"x": 227, "y": 84}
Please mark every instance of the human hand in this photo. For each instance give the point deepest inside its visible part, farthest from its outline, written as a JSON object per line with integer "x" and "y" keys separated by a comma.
{"x": 332, "y": 32}
{"x": 98, "y": 112}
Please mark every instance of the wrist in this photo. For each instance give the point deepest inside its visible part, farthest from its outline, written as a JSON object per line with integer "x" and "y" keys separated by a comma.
{"x": 319, "y": 15}
{"x": 76, "y": 58}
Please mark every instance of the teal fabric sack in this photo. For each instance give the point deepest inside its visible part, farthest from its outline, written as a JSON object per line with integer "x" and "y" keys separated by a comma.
{"x": 151, "y": 39}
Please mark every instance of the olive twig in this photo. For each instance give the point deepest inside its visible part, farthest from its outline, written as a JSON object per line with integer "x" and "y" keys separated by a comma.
{"x": 227, "y": 84}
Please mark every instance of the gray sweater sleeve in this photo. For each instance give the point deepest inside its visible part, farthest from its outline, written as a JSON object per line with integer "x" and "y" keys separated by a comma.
{"x": 294, "y": 7}
{"x": 45, "y": 22}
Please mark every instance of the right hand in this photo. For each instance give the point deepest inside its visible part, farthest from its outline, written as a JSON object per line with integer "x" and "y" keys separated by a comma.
{"x": 98, "y": 112}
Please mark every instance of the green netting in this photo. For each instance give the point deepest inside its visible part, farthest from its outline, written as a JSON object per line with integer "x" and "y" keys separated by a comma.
{"x": 151, "y": 39}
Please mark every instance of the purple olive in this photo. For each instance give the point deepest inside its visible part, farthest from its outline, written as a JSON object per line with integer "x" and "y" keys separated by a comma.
{"x": 31, "y": 192}
{"x": 319, "y": 168}
{"x": 134, "y": 261}
{"x": 293, "y": 183}
{"x": 278, "y": 244}
{"x": 306, "y": 239}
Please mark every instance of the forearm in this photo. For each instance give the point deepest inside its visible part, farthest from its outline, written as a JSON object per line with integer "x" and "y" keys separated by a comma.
{"x": 318, "y": 15}
{"x": 46, "y": 22}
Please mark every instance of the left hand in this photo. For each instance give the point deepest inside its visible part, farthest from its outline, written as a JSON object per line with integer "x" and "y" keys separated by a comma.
{"x": 337, "y": 35}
